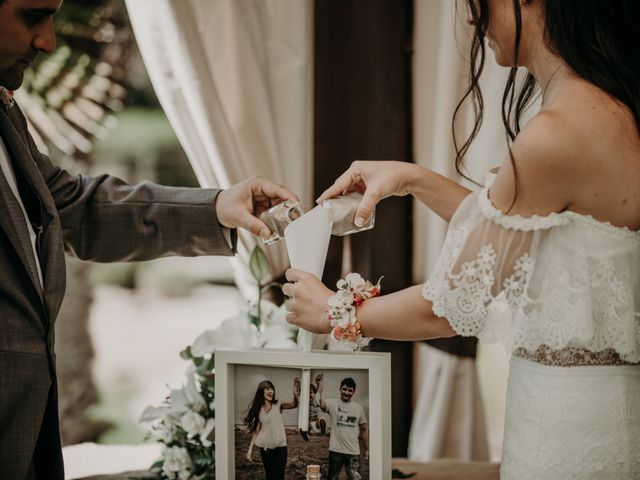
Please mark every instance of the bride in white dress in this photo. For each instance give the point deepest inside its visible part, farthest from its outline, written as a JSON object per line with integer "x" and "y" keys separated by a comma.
{"x": 546, "y": 257}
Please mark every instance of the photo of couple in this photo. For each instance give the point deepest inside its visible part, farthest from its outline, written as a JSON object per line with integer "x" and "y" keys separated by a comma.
{"x": 268, "y": 442}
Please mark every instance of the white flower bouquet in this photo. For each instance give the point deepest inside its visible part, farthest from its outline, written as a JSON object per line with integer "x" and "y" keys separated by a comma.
{"x": 185, "y": 422}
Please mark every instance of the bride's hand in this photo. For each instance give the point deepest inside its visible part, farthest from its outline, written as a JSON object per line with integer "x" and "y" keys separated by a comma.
{"x": 375, "y": 180}
{"x": 307, "y": 304}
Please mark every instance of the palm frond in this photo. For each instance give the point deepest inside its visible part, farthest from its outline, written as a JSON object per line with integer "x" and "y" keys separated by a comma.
{"x": 70, "y": 96}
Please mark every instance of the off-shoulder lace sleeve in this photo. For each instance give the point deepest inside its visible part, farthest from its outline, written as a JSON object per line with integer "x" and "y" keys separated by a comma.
{"x": 552, "y": 280}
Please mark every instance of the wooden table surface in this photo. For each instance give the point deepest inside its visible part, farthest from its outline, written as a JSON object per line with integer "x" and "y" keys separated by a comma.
{"x": 437, "y": 470}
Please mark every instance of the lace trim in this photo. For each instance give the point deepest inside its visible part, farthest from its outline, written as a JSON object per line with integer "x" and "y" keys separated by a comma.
{"x": 553, "y": 219}
{"x": 572, "y": 357}
{"x": 580, "y": 301}
{"x": 604, "y": 226}
{"x": 518, "y": 222}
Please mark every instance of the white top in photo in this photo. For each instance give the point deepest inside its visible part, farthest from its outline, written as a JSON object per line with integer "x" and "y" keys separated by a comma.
{"x": 271, "y": 434}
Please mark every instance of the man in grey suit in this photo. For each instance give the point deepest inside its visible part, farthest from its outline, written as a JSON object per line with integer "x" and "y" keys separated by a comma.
{"x": 45, "y": 211}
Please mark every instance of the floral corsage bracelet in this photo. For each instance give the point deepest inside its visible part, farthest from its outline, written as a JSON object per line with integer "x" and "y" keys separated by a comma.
{"x": 352, "y": 291}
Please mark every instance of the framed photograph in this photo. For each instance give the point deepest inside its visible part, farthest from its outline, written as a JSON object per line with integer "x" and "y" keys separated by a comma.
{"x": 259, "y": 409}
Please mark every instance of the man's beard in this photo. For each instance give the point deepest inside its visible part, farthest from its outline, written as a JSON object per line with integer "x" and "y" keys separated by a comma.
{"x": 11, "y": 79}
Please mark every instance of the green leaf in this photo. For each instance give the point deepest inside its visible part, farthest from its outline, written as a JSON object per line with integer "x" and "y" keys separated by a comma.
{"x": 255, "y": 320}
{"x": 186, "y": 354}
{"x": 258, "y": 265}
{"x": 202, "y": 368}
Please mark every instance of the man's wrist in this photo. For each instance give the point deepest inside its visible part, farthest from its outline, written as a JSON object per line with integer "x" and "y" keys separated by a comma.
{"x": 217, "y": 209}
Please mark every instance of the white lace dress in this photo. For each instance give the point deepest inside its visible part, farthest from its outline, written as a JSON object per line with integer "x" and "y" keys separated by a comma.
{"x": 562, "y": 293}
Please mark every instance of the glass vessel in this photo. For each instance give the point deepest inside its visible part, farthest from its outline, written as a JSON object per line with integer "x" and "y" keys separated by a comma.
{"x": 278, "y": 217}
{"x": 342, "y": 211}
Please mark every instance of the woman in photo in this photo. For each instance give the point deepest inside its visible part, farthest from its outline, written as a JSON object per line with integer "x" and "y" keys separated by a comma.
{"x": 264, "y": 421}
{"x": 546, "y": 257}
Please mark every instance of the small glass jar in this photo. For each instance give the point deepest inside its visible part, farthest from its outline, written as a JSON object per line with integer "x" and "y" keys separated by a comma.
{"x": 342, "y": 211}
{"x": 278, "y": 217}
{"x": 313, "y": 472}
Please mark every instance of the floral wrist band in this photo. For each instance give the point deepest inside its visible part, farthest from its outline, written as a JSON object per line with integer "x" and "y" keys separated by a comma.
{"x": 352, "y": 291}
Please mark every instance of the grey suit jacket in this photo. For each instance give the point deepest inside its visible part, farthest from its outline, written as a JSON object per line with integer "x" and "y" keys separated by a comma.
{"x": 100, "y": 219}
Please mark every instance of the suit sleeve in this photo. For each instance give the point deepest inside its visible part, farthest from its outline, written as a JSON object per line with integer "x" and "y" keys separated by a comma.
{"x": 106, "y": 220}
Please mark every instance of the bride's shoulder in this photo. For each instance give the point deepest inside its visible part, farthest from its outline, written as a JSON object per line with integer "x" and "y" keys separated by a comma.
{"x": 537, "y": 177}
{"x": 580, "y": 154}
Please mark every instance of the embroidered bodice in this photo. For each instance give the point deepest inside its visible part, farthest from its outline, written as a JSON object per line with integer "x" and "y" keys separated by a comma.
{"x": 560, "y": 289}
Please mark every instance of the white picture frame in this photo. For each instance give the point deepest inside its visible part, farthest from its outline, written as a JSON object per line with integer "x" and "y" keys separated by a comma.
{"x": 377, "y": 370}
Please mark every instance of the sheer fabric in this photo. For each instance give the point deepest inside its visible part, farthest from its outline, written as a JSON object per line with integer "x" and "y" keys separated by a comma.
{"x": 540, "y": 283}
{"x": 560, "y": 292}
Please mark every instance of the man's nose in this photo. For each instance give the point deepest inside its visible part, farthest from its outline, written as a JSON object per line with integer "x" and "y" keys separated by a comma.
{"x": 44, "y": 39}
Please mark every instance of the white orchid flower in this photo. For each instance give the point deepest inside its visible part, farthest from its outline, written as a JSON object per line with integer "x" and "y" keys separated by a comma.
{"x": 186, "y": 398}
{"x": 279, "y": 336}
{"x": 341, "y": 299}
{"x": 239, "y": 332}
{"x": 192, "y": 423}
{"x": 347, "y": 317}
{"x": 176, "y": 462}
{"x": 164, "y": 431}
{"x": 150, "y": 413}
{"x": 355, "y": 280}
{"x": 206, "y": 431}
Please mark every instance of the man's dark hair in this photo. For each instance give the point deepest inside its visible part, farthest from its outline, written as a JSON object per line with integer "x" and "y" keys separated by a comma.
{"x": 349, "y": 382}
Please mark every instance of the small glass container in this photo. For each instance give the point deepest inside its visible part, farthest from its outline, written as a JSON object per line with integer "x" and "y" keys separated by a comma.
{"x": 313, "y": 472}
{"x": 277, "y": 218}
{"x": 342, "y": 211}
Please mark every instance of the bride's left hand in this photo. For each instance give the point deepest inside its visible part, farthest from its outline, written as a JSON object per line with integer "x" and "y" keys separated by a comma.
{"x": 307, "y": 304}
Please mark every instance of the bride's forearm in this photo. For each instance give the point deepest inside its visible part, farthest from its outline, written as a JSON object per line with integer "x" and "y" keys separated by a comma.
{"x": 404, "y": 315}
{"x": 437, "y": 192}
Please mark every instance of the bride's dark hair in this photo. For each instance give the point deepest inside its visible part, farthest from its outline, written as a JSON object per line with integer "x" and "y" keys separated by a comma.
{"x": 597, "y": 39}
{"x": 252, "y": 414}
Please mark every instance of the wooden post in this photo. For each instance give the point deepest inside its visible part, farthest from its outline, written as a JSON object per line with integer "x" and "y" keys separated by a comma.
{"x": 362, "y": 84}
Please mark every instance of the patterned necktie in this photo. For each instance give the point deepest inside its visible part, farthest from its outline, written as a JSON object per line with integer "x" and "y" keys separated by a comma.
{"x": 20, "y": 222}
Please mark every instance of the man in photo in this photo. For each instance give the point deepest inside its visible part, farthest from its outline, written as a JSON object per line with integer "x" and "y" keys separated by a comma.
{"x": 347, "y": 421}
{"x": 316, "y": 423}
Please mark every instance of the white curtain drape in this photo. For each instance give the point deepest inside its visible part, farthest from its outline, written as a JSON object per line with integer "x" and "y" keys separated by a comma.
{"x": 234, "y": 79}
{"x": 451, "y": 420}
{"x": 441, "y": 46}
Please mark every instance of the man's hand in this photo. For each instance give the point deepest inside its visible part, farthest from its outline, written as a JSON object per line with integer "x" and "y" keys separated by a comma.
{"x": 240, "y": 205}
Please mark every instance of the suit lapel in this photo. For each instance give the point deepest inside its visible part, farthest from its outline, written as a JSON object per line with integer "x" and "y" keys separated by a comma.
{"x": 12, "y": 229}
{"x": 51, "y": 254}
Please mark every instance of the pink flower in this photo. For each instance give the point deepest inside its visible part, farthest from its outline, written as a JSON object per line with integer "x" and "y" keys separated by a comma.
{"x": 337, "y": 333}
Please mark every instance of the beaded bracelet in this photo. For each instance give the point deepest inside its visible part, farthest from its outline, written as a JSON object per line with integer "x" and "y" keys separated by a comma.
{"x": 352, "y": 291}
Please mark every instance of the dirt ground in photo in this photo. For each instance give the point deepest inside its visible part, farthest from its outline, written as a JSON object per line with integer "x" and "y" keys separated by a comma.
{"x": 300, "y": 454}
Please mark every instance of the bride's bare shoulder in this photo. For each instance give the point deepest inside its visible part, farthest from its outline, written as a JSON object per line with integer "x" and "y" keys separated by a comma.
{"x": 581, "y": 153}
{"x": 541, "y": 161}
